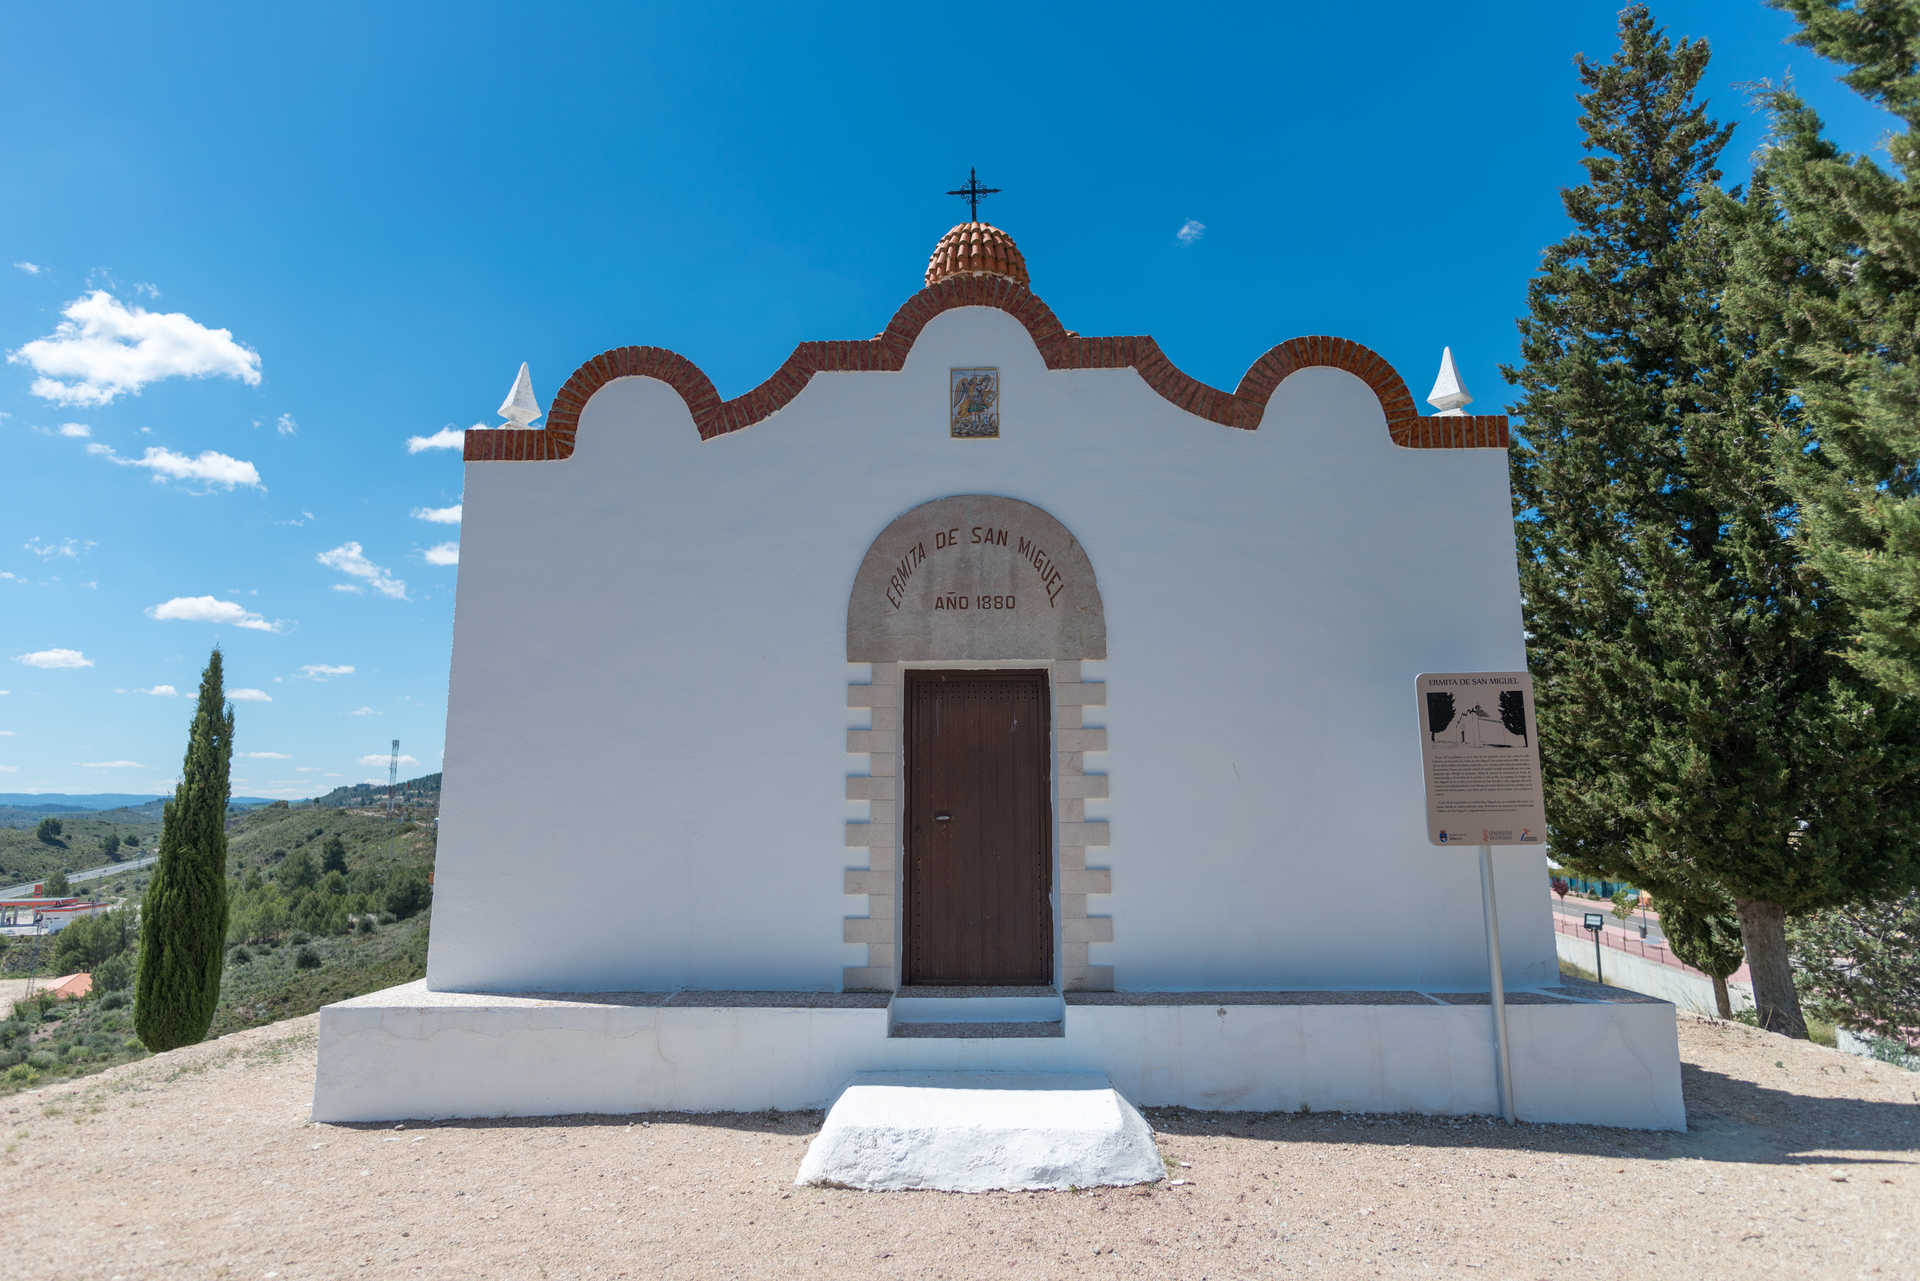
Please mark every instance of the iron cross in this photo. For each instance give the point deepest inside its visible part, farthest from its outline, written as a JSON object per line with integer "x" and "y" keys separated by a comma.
{"x": 973, "y": 191}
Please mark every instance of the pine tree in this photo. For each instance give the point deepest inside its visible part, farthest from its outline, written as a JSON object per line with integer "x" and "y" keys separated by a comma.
{"x": 183, "y": 919}
{"x": 1835, "y": 287}
{"x": 1699, "y": 737}
{"x": 1707, "y": 937}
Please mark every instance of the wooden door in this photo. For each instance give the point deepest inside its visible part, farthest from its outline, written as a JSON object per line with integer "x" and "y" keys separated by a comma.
{"x": 979, "y": 829}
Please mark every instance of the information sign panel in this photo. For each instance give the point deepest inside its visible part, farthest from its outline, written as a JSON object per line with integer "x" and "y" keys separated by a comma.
{"x": 1481, "y": 759}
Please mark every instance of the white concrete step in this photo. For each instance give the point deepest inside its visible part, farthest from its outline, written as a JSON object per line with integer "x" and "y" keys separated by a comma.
{"x": 979, "y": 1005}
{"x": 981, "y": 1131}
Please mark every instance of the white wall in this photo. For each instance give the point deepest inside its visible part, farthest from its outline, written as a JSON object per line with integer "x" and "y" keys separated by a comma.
{"x": 647, "y": 716}
{"x": 1686, "y": 989}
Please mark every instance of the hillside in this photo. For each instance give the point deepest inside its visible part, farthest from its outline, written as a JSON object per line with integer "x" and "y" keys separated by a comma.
{"x": 24, "y": 857}
{"x": 413, "y": 793}
{"x": 81, "y": 844}
{"x": 299, "y": 936}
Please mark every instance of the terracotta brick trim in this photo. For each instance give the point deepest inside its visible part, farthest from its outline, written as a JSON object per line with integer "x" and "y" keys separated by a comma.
{"x": 1061, "y": 348}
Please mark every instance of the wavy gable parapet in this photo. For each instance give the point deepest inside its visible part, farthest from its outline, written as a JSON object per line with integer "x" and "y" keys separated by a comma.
{"x": 1059, "y": 347}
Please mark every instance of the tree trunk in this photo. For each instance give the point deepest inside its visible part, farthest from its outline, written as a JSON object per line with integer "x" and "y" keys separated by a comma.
{"x": 1720, "y": 998}
{"x": 1763, "y": 932}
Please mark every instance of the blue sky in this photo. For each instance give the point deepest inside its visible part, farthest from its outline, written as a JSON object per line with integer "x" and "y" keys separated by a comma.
{"x": 249, "y": 253}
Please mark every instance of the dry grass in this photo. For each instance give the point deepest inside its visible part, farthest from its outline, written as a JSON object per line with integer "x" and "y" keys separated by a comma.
{"x": 1799, "y": 1162}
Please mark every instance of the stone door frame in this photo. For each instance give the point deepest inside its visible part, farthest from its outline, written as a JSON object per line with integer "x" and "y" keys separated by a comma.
{"x": 875, "y": 690}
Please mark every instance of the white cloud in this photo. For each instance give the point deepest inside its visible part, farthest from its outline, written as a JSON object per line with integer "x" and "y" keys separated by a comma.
{"x": 269, "y": 756}
{"x": 296, "y": 523}
{"x": 9, "y": 769}
{"x": 448, "y": 437}
{"x": 209, "y": 609}
{"x": 211, "y": 468}
{"x": 31, "y": 268}
{"x": 381, "y": 758}
{"x": 67, "y": 547}
{"x": 5, "y": 692}
{"x": 55, "y": 658}
{"x": 443, "y": 554}
{"x": 75, "y": 431}
{"x": 147, "y": 289}
{"x": 351, "y": 561}
{"x": 6, "y": 733}
{"x": 439, "y": 515}
{"x": 160, "y": 691}
{"x": 8, "y": 576}
{"x": 351, "y": 589}
{"x": 1190, "y": 230}
{"x": 320, "y": 671}
{"x": 286, "y": 426}
{"x": 105, "y": 349}
{"x": 249, "y": 696}
{"x": 361, "y": 711}
{"x": 109, "y": 764}
{"x": 306, "y": 769}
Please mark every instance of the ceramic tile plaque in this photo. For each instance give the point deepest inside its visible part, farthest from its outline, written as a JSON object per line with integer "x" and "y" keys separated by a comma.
{"x": 974, "y": 403}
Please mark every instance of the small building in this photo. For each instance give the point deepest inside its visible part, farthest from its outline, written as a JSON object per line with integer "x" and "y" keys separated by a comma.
{"x": 983, "y": 694}
{"x": 26, "y": 916}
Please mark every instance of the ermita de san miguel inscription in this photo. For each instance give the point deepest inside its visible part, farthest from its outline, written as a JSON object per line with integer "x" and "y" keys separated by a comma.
{"x": 1047, "y": 579}
{"x": 975, "y": 576}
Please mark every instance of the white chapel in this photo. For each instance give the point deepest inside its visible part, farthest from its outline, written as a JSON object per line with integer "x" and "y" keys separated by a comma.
{"x": 989, "y": 695}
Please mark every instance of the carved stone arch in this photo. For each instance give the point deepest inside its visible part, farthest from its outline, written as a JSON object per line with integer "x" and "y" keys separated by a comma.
{"x": 1041, "y": 606}
{"x": 971, "y": 578}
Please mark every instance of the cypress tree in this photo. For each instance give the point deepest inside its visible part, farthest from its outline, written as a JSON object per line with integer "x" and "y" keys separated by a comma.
{"x": 183, "y": 919}
{"x": 1833, "y": 283}
{"x": 1707, "y": 937}
{"x": 1699, "y": 737}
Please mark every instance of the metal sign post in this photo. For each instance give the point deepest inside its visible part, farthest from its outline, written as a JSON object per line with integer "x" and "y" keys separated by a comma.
{"x": 1482, "y": 768}
{"x": 1595, "y": 922}
{"x": 1497, "y": 992}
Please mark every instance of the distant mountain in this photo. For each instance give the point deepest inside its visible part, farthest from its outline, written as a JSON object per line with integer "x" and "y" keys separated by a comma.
{"x": 91, "y": 802}
{"x": 65, "y": 803}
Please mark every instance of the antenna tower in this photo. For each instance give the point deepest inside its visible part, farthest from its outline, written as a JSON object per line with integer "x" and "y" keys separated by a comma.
{"x": 393, "y": 776}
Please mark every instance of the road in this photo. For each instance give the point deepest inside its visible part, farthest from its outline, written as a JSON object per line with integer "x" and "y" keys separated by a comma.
{"x": 91, "y": 874}
{"x": 1577, "y": 908}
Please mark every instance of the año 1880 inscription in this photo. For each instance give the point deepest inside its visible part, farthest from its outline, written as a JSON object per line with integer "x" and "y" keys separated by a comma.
{"x": 975, "y": 576}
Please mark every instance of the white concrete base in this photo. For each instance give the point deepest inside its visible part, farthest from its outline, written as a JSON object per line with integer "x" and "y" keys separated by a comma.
{"x": 1598, "y": 1056}
{"x": 981, "y": 1132}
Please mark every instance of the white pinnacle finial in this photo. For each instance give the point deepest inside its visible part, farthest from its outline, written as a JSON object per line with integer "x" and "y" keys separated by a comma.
{"x": 520, "y": 408}
{"x": 1449, "y": 394}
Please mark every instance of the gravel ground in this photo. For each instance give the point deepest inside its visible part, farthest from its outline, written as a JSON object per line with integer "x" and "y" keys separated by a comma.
{"x": 1799, "y": 1162}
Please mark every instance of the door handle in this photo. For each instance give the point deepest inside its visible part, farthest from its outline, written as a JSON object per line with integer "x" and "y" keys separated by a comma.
{"x": 943, "y": 818}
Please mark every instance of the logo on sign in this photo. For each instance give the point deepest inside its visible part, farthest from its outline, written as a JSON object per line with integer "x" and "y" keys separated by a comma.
{"x": 1443, "y": 838}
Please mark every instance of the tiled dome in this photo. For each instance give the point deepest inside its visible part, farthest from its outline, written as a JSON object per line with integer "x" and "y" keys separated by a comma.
{"x": 975, "y": 248}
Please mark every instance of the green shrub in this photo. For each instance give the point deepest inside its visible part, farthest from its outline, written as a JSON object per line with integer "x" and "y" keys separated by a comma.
{"x": 299, "y": 937}
{"x": 22, "y": 1073}
{"x": 306, "y": 959}
{"x": 41, "y": 1060}
{"x": 10, "y": 1057}
{"x": 365, "y": 925}
{"x": 132, "y": 1045}
{"x": 409, "y": 893}
{"x": 113, "y": 1000}
{"x": 114, "y": 975}
{"x": 78, "y": 1053}
{"x": 241, "y": 956}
